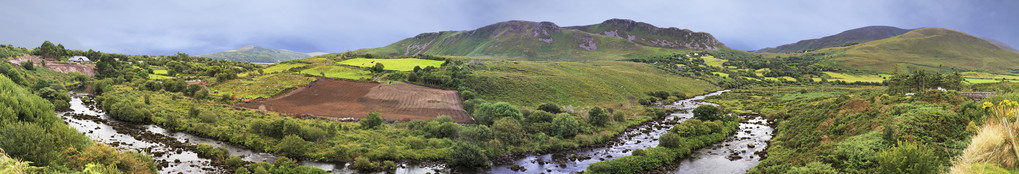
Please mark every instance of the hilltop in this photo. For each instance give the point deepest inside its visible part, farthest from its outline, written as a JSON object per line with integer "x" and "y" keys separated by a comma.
{"x": 611, "y": 40}
{"x": 848, "y": 37}
{"x": 1000, "y": 44}
{"x": 256, "y": 54}
{"x": 927, "y": 48}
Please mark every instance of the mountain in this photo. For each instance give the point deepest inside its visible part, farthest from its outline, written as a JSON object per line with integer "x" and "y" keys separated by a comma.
{"x": 1000, "y": 44}
{"x": 256, "y": 54}
{"x": 926, "y": 48}
{"x": 848, "y": 37}
{"x": 612, "y": 39}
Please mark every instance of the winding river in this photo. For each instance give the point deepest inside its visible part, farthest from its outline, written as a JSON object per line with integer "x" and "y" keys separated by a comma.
{"x": 736, "y": 154}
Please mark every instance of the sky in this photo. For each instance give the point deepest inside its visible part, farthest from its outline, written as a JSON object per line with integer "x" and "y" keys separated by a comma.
{"x": 163, "y": 27}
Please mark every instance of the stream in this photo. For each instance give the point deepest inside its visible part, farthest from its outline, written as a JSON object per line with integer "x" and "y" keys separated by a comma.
{"x": 168, "y": 147}
{"x": 737, "y": 154}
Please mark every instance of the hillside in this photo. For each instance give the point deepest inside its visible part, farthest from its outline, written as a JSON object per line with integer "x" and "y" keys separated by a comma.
{"x": 1000, "y": 44}
{"x": 256, "y": 54}
{"x": 613, "y": 39}
{"x": 927, "y": 48}
{"x": 848, "y": 37}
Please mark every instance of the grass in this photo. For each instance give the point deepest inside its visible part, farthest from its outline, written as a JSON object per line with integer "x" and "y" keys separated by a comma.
{"x": 281, "y": 67}
{"x": 393, "y": 64}
{"x": 926, "y": 48}
{"x": 159, "y": 77}
{"x": 527, "y": 83}
{"x": 721, "y": 74}
{"x": 159, "y": 71}
{"x": 853, "y": 78}
{"x": 985, "y": 75}
{"x": 712, "y": 61}
{"x": 975, "y": 80}
{"x": 262, "y": 86}
{"x": 337, "y": 72}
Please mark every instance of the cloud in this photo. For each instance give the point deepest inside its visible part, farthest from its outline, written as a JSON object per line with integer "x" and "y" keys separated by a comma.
{"x": 197, "y": 27}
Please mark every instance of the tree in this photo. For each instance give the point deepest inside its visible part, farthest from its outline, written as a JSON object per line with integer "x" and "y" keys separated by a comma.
{"x": 671, "y": 139}
{"x": 597, "y": 117}
{"x": 540, "y": 116}
{"x": 467, "y": 155}
{"x": 508, "y": 130}
{"x": 378, "y": 68}
{"x": 28, "y": 65}
{"x": 373, "y": 120}
{"x": 565, "y": 125}
{"x": 707, "y": 113}
{"x": 488, "y": 113}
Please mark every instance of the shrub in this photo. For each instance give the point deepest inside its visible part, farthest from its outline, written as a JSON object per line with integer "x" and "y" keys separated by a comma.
{"x": 550, "y": 107}
{"x": 638, "y": 152}
{"x": 292, "y": 145}
{"x": 372, "y": 121}
{"x": 619, "y": 116}
{"x": 128, "y": 111}
{"x": 480, "y": 133}
{"x": 444, "y": 130}
{"x": 28, "y": 65}
{"x": 489, "y": 113}
{"x": 540, "y": 116}
{"x": 908, "y": 158}
{"x": 466, "y": 155}
{"x": 208, "y": 117}
{"x": 565, "y": 125}
{"x": 234, "y": 162}
{"x": 312, "y": 133}
{"x": 508, "y": 130}
{"x": 30, "y": 142}
{"x": 362, "y": 164}
{"x": 671, "y": 140}
{"x": 814, "y": 168}
{"x": 597, "y": 117}
{"x": 445, "y": 119}
{"x": 201, "y": 93}
{"x": 707, "y": 113}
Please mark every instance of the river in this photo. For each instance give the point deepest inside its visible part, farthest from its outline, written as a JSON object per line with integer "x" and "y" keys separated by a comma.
{"x": 737, "y": 154}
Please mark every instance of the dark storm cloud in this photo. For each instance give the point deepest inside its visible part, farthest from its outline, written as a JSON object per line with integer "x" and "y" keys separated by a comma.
{"x": 197, "y": 27}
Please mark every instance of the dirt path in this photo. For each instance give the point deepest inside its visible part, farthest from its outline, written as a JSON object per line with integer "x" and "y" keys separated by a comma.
{"x": 342, "y": 99}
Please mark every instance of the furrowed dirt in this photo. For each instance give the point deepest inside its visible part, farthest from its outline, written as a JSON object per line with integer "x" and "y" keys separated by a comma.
{"x": 351, "y": 99}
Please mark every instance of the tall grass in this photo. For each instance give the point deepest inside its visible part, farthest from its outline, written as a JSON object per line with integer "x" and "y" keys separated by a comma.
{"x": 995, "y": 144}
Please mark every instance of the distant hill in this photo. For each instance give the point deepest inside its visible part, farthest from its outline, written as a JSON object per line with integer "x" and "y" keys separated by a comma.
{"x": 1000, "y": 44}
{"x": 848, "y": 37}
{"x": 612, "y": 39}
{"x": 927, "y": 48}
{"x": 256, "y": 54}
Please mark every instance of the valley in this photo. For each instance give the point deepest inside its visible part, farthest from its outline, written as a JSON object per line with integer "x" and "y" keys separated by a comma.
{"x": 620, "y": 96}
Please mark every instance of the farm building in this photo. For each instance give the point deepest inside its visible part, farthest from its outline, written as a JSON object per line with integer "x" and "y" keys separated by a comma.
{"x": 78, "y": 59}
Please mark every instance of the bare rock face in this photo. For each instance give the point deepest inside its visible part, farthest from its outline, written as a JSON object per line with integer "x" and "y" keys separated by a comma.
{"x": 650, "y": 35}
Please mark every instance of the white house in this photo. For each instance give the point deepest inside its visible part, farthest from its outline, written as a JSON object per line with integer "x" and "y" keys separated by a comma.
{"x": 78, "y": 59}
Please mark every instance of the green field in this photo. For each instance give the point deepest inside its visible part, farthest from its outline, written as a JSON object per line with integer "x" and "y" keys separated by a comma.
{"x": 262, "y": 86}
{"x": 721, "y": 74}
{"x": 985, "y": 75}
{"x": 338, "y": 72}
{"x": 783, "y": 77}
{"x": 159, "y": 77}
{"x": 393, "y": 64}
{"x": 159, "y": 71}
{"x": 712, "y": 61}
{"x": 281, "y": 67}
{"x": 527, "y": 83}
{"x": 976, "y": 80}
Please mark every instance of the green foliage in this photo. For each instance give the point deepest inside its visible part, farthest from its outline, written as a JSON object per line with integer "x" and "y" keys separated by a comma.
{"x": 673, "y": 145}
{"x": 28, "y": 65}
{"x": 565, "y": 125}
{"x": 488, "y": 113}
{"x": 476, "y": 134}
{"x": 814, "y": 168}
{"x": 467, "y": 155}
{"x": 619, "y": 116}
{"x": 127, "y": 110}
{"x": 707, "y": 112}
{"x": 292, "y": 145}
{"x": 540, "y": 116}
{"x": 372, "y": 121}
{"x": 909, "y": 158}
{"x": 920, "y": 81}
{"x": 378, "y": 68}
{"x": 508, "y": 130}
{"x": 550, "y": 107}
{"x": 597, "y": 117}
{"x": 671, "y": 140}
{"x": 29, "y": 141}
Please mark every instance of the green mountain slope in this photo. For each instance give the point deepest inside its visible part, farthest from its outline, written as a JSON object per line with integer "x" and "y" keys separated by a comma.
{"x": 927, "y": 48}
{"x": 548, "y": 41}
{"x": 256, "y": 54}
{"x": 1000, "y": 44}
{"x": 848, "y": 37}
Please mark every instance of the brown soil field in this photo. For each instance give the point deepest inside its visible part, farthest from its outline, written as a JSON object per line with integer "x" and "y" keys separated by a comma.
{"x": 350, "y": 99}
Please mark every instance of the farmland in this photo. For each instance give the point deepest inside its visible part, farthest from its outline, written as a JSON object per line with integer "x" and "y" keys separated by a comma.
{"x": 393, "y": 64}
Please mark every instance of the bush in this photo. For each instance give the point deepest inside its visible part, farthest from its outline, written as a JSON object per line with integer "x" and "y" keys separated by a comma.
{"x": 908, "y": 158}
{"x": 444, "y": 130}
{"x": 508, "y": 130}
{"x": 128, "y": 111}
{"x": 201, "y": 93}
{"x": 28, "y": 65}
{"x": 550, "y": 107}
{"x": 814, "y": 168}
{"x": 292, "y": 145}
{"x": 208, "y": 117}
{"x": 466, "y": 155}
{"x": 312, "y": 133}
{"x": 362, "y": 164}
{"x": 597, "y": 117}
{"x": 445, "y": 119}
{"x": 671, "y": 140}
{"x": 540, "y": 116}
{"x": 487, "y": 113}
{"x": 30, "y": 142}
{"x": 480, "y": 133}
{"x": 372, "y": 121}
{"x": 619, "y": 116}
{"x": 565, "y": 125}
{"x": 707, "y": 113}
